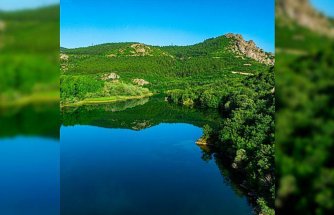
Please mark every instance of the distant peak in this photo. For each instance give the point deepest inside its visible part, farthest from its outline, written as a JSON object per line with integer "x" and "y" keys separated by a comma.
{"x": 239, "y": 37}
{"x": 303, "y": 13}
{"x": 249, "y": 49}
{"x": 234, "y": 36}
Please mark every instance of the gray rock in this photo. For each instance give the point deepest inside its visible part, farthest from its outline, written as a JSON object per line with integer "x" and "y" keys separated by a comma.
{"x": 249, "y": 49}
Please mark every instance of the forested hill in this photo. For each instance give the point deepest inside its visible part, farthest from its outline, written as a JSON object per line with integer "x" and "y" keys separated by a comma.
{"x": 136, "y": 69}
{"x": 227, "y": 46}
{"x": 304, "y": 83}
{"x": 29, "y": 50}
{"x": 33, "y": 30}
{"x": 226, "y": 74}
{"x": 300, "y": 29}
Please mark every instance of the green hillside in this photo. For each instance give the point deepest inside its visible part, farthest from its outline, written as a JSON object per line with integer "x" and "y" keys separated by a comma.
{"x": 164, "y": 68}
{"x": 212, "y": 75}
{"x": 214, "y": 47}
{"x": 31, "y": 31}
{"x": 293, "y": 37}
{"x": 29, "y": 47}
{"x": 304, "y": 83}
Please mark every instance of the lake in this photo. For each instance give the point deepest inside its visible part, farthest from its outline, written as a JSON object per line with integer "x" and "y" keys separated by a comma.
{"x": 30, "y": 180}
{"x": 30, "y": 160}
{"x": 140, "y": 158}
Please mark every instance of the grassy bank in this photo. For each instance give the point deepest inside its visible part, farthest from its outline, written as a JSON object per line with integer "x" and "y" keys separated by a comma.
{"x": 101, "y": 100}
{"x": 34, "y": 98}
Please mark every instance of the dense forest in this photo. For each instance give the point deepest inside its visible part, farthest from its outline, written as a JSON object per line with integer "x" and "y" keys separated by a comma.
{"x": 29, "y": 72}
{"x": 29, "y": 47}
{"x": 207, "y": 75}
{"x": 157, "y": 68}
{"x": 246, "y": 135}
{"x": 304, "y": 134}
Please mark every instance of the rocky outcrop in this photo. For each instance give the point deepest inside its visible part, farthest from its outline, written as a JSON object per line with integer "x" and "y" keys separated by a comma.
{"x": 302, "y": 12}
{"x": 64, "y": 57}
{"x": 140, "y": 82}
{"x": 2, "y": 29}
{"x": 139, "y": 49}
{"x": 249, "y": 49}
{"x": 202, "y": 141}
{"x": 110, "y": 77}
{"x": 64, "y": 62}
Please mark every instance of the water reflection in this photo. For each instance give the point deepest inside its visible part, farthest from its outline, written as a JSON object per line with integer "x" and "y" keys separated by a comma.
{"x": 143, "y": 160}
{"x": 29, "y": 160}
{"x": 31, "y": 120}
{"x": 157, "y": 170}
{"x": 138, "y": 115}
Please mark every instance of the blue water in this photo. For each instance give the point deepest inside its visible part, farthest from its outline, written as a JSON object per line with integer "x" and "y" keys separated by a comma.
{"x": 29, "y": 179}
{"x": 155, "y": 171}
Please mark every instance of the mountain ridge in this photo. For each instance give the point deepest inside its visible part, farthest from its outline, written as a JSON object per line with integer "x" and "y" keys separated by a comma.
{"x": 214, "y": 47}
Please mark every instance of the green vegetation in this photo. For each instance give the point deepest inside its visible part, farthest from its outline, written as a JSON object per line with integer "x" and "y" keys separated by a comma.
{"x": 207, "y": 76}
{"x": 136, "y": 114}
{"x": 29, "y": 41}
{"x": 246, "y": 135}
{"x": 90, "y": 88}
{"x": 164, "y": 68}
{"x": 304, "y": 121}
{"x": 27, "y": 120}
{"x": 29, "y": 76}
{"x": 294, "y": 37}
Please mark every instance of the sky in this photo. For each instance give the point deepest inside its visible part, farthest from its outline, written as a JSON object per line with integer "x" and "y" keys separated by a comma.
{"x": 165, "y": 22}
{"x": 23, "y": 4}
{"x": 325, "y": 6}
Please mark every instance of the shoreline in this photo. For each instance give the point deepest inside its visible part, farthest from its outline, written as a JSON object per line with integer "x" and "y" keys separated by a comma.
{"x": 31, "y": 99}
{"x": 102, "y": 100}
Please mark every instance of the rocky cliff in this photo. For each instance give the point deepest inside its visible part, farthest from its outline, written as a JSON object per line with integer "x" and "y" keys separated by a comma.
{"x": 302, "y": 12}
{"x": 241, "y": 47}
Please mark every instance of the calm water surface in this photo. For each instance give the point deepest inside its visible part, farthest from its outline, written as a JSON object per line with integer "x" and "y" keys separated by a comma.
{"x": 153, "y": 171}
{"x": 29, "y": 183}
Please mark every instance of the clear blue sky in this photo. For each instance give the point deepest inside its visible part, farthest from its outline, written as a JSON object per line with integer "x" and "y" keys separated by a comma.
{"x": 23, "y": 4}
{"x": 325, "y": 6}
{"x": 165, "y": 22}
